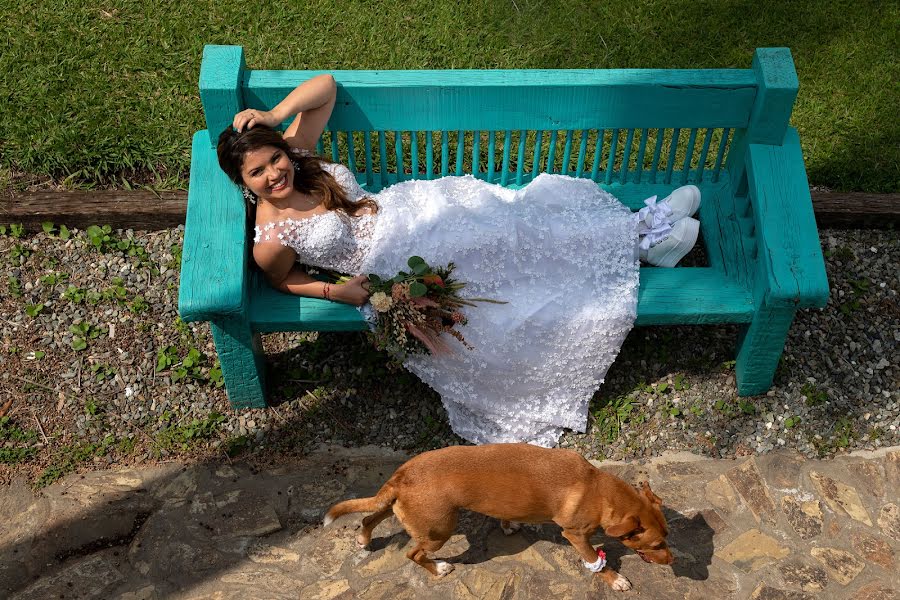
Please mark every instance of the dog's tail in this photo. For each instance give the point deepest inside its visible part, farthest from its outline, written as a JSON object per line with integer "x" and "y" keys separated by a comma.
{"x": 384, "y": 498}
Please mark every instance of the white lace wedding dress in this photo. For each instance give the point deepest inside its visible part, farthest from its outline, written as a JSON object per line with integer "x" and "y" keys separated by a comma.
{"x": 561, "y": 252}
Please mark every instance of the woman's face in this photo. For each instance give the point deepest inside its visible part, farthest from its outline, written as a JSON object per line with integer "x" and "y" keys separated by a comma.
{"x": 268, "y": 172}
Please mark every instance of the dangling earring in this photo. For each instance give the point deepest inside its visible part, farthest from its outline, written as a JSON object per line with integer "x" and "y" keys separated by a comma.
{"x": 248, "y": 195}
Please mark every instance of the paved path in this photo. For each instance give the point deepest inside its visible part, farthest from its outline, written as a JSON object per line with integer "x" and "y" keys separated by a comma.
{"x": 771, "y": 527}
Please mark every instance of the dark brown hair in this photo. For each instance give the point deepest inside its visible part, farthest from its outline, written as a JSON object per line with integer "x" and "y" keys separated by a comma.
{"x": 309, "y": 176}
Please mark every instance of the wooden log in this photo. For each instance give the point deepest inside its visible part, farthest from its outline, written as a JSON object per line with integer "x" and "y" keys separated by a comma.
{"x": 845, "y": 210}
{"x": 122, "y": 209}
{"x": 142, "y": 209}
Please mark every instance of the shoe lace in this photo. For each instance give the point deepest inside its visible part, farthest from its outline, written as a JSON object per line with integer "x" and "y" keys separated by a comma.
{"x": 653, "y": 222}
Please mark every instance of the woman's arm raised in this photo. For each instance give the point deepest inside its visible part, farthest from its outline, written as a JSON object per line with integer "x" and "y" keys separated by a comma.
{"x": 312, "y": 101}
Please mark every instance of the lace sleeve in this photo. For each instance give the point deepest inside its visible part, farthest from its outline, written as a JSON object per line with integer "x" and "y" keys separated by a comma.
{"x": 341, "y": 174}
{"x": 346, "y": 180}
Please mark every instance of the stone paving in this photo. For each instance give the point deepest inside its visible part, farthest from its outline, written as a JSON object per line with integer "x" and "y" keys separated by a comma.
{"x": 775, "y": 526}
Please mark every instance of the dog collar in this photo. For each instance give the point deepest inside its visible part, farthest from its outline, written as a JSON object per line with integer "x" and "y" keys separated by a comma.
{"x": 598, "y": 564}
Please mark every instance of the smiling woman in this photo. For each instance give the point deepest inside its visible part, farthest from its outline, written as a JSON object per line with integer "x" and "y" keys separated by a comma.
{"x": 281, "y": 180}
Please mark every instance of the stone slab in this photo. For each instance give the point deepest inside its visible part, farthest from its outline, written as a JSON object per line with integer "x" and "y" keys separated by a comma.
{"x": 747, "y": 480}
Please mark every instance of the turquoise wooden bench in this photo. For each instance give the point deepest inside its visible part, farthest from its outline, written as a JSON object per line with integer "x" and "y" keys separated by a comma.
{"x": 635, "y": 132}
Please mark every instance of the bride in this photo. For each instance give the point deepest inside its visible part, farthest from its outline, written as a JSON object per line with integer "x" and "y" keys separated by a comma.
{"x": 561, "y": 252}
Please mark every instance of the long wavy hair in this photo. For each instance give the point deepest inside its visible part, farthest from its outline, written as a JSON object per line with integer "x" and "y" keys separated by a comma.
{"x": 309, "y": 176}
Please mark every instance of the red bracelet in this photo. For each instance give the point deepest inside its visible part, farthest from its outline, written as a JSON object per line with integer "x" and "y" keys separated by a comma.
{"x": 327, "y": 291}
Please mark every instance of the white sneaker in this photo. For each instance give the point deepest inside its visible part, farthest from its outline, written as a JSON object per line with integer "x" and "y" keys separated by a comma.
{"x": 673, "y": 247}
{"x": 681, "y": 203}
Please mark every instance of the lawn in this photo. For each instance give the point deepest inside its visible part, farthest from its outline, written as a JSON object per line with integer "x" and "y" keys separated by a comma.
{"x": 105, "y": 92}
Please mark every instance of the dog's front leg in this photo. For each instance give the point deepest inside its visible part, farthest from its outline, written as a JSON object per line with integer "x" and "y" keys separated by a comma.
{"x": 582, "y": 543}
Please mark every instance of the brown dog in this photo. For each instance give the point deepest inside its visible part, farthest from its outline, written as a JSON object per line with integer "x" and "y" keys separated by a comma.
{"x": 514, "y": 483}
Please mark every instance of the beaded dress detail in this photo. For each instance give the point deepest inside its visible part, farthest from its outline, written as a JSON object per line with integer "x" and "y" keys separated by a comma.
{"x": 562, "y": 252}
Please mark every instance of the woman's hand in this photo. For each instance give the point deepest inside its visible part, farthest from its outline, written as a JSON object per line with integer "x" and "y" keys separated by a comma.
{"x": 251, "y": 117}
{"x": 355, "y": 291}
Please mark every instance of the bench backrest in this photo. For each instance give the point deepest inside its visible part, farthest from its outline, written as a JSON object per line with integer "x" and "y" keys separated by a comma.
{"x": 506, "y": 126}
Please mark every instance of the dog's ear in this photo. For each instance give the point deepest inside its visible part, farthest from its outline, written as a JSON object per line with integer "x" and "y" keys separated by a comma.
{"x": 653, "y": 498}
{"x": 625, "y": 527}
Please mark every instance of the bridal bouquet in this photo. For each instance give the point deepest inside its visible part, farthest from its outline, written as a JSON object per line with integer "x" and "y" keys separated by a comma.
{"x": 415, "y": 307}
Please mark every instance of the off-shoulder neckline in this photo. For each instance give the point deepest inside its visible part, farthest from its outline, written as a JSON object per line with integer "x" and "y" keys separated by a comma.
{"x": 291, "y": 220}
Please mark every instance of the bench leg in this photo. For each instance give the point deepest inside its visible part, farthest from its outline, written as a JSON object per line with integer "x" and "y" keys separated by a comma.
{"x": 759, "y": 349}
{"x": 243, "y": 363}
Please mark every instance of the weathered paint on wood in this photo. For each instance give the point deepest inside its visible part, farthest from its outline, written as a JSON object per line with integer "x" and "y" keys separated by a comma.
{"x": 221, "y": 74}
{"x": 783, "y": 213}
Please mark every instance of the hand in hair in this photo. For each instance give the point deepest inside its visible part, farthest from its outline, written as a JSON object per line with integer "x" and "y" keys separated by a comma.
{"x": 251, "y": 117}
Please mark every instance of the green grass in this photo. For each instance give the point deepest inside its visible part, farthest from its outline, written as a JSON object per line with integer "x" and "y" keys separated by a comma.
{"x": 106, "y": 93}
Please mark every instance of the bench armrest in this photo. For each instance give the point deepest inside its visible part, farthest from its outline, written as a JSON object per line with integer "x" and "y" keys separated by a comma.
{"x": 790, "y": 252}
{"x": 214, "y": 269}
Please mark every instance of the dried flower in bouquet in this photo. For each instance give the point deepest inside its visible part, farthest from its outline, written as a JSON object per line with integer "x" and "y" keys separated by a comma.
{"x": 414, "y": 308}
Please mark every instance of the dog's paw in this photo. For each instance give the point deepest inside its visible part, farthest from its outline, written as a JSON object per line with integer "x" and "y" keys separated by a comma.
{"x": 510, "y": 527}
{"x": 443, "y": 567}
{"x": 621, "y": 583}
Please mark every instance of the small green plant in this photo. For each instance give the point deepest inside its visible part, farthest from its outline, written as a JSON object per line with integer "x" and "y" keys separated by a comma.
{"x": 69, "y": 457}
{"x": 82, "y": 332}
{"x": 175, "y": 263}
{"x": 73, "y": 294}
{"x": 215, "y": 375}
{"x": 91, "y": 407}
{"x": 182, "y": 328}
{"x": 680, "y": 383}
{"x": 15, "y": 442}
{"x": 791, "y": 422}
{"x": 166, "y": 357}
{"x": 33, "y": 310}
{"x": 843, "y": 432}
{"x": 130, "y": 247}
{"x": 19, "y": 250}
{"x": 138, "y": 305}
{"x": 116, "y": 291}
{"x": 17, "y": 230}
{"x": 100, "y": 237}
{"x": 184, "y": 435}
{"x": 236, "y": 445}
{"x": 858, "y": 289}
{"x": 814, "y": 396}
{"x": 747, "y": 407}
{"x": 842, "y": 253}
{"x": 52, "y": 279}
{"x": 728, "y": 365}
{"x": 102, "y": 371}
{"x": 14, "y": 286}
{"x": 611, "y": 416}
{"x": 696, "y": 410}
{"x": 48, "y": 227}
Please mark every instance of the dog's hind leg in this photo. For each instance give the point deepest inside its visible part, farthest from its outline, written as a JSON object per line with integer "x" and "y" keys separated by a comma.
{"x": 369, "y": 523}
{"x": 419, "y": 555}
{"x": 428, "y": 535}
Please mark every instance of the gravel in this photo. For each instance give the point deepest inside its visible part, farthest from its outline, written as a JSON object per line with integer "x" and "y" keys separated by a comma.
{"x": 837, "y": 388}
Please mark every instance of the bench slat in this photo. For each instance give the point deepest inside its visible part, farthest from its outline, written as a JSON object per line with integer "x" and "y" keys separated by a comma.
{"x": 690, "y": 295}
{"x": 523, "y": 99}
